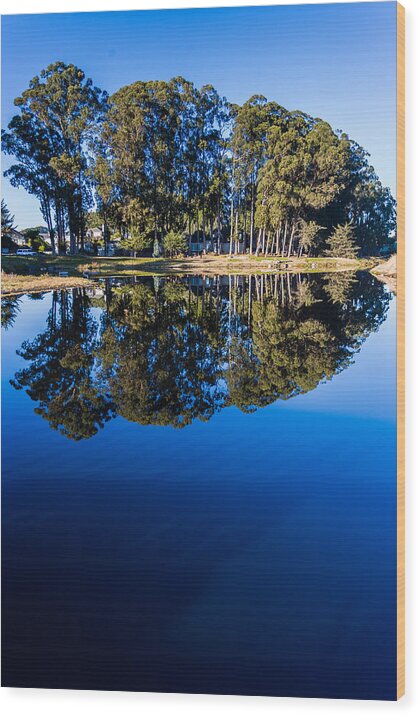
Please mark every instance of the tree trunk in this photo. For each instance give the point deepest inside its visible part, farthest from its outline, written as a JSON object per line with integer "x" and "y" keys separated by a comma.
{"x": 292, "y": 233}
{"x": 231, "y": 228}
{"x": 244, "y": 234}
{"x": 47, "y": 214}
{"x": 218, "y": 224}
{"x": 71, "y": 230}
{"x": 278, "y": 233}
{"x": 203, "y": 227}
{"x": 258, "y": 246}
{"x": 283, "y": 248}
{"x": 251, "y": 237}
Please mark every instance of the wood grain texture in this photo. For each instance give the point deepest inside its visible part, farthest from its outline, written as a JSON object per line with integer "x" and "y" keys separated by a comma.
{"x": 401, "y": 351}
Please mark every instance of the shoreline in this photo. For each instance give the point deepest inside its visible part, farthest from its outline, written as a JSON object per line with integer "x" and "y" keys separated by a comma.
{"x": 16, "y": 285}
{"x": 18, "y": 274}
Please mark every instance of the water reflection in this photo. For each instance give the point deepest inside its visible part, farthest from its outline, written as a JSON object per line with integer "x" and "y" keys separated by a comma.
{"x": 10, "y": 308}
{"x": 165, "y": 351}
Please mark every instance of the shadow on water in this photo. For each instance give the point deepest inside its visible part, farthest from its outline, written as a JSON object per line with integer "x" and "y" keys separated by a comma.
{"x": 166, "y": 351}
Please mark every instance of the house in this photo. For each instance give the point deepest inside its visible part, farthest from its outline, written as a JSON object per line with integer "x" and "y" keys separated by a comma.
{"x": 94, "y": 235}
{"x": 94, "y": 243}
{"x": 12, "y": 239}
{"x": 44, "y": 234}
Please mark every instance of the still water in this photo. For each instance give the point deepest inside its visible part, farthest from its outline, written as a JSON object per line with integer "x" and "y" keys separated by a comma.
{"x": 199, "y": 486}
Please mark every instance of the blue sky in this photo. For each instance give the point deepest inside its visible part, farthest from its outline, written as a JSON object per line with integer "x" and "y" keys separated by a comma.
{"x": 335, "y": 61}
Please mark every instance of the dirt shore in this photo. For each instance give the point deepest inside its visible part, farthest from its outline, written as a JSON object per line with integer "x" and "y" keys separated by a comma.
{"x": 387, "y": 272}
{"x": 211, "y": 265}
{"x": 21, "y": 274}
{"x": 12, "y": 284}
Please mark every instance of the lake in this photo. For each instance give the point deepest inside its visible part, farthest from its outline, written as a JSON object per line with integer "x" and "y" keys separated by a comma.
{"x": 199, "y": 486}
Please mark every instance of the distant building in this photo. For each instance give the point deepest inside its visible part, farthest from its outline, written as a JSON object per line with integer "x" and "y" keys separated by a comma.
{"x": 94, "y": 243}
{"x": 44, "y": 234}
{"x": 13, "y": 239}
{"x": 94, "y": 235}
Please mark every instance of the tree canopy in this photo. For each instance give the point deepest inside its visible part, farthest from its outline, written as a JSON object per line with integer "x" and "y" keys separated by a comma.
{"x": 160, "y": 158}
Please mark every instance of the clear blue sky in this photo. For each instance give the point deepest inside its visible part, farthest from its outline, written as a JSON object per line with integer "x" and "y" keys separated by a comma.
{"x": 335, "y": 61}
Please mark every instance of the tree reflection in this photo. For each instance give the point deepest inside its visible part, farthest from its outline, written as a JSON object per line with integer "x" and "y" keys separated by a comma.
{"x": 60, "y": 376}
{"x": 171, "y": 350}
{"x": 157, "y": 355}
{"x": 10, "y": 308}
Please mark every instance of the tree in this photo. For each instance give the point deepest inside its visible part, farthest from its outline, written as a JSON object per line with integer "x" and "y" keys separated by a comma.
{"x": 341, "y": 242}
{"x": 35, "y": 240}
{"x": 338, "y": 286}
{"x": 104, "y": 188}
{"x": 174, "y": 243}
{"x": 7, "y": 219}
{"x": 59, "y": 112}
{"x": 251, "y": 124}
{"x": 7, "y": 224}
{"x": 308, "y": 235}
{"x": 167, "y": 156}
{"x": 33, "y": 146}
{"x": 138, "y": 226}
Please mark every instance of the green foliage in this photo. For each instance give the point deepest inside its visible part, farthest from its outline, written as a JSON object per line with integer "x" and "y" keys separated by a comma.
{"x": 10, "y": 309}
{"x": 60, "y": 375}
{"x": 49, "y": 138}
{"x": 342, "y": 242}
{"x": 338, "y": 286}
{"x": 159, "y": 157}
{"x": 35, "y": 240}
{"x": 309, "y": 235}
{"x": 7, "y": 220}
{"x": 174, "y": 243}
{"x": 136, "y": 243}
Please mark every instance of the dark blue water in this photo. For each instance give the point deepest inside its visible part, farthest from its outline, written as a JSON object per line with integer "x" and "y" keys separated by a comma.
{"x": 199, "y": 488}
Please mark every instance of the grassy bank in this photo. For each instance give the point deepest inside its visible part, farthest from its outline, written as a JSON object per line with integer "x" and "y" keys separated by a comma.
{"x": 257, "y": 265}
{"x": 15, "y": 284}
{"x": 77, "y": 266}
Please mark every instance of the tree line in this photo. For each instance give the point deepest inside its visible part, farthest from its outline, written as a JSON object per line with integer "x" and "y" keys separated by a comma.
{"x": 169, "y": 351}
{"x": 165, "y": 165}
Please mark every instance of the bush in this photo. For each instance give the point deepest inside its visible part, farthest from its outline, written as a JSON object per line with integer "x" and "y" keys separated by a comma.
{"x": 174, "y": 243}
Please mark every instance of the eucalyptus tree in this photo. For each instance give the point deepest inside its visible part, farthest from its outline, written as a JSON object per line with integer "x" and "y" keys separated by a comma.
{"x": 304, "y": 174}
{"x": 105, "y": 197}
{"x": 33, "y": 147}
{"x": 309, "y": 233}
{"x": 249, "y": 146}
{"x": 166, "y": 156}
{"x": 214, "y": 164}
{"x": 138, "y": 131}
{"x": 58, "y": 113}
{"x": 205, "y": 160}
